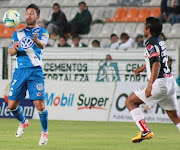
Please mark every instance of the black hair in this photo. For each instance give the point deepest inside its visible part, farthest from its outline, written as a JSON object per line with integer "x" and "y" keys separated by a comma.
{"x": 155, "y": 26}
{"x": 112, "y": 35}
{"x": 82, "y": 3}
{"x": 56, "y": 4}
{"x": 63, "y": 38}
{"x": 96, "y": 41}
{"x": 76, "y": 36}
{"x": 35, "y": 7}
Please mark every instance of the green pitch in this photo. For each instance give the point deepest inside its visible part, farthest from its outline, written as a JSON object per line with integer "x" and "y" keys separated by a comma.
{"x": 79, "y": 135}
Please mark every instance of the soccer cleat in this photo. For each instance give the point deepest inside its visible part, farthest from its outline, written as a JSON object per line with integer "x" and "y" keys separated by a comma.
{"x": 44, "y": 138}
{"x": 20, "y": 130}
{"x": 142, "y": 136}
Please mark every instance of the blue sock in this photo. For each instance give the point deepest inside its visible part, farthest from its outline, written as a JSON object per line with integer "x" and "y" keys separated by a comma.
{"x": 43, "y": 115}
{"x": 18, "y": 114}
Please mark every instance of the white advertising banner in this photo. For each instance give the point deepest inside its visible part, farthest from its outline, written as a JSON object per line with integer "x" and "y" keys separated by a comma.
{"x": 78, "y": 101}
{"x": 119, "y": 112}
{"x": 95, "y": 65}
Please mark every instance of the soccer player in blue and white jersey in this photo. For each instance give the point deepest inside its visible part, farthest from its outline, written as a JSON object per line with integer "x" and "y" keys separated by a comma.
{"x": 27, "y": 44}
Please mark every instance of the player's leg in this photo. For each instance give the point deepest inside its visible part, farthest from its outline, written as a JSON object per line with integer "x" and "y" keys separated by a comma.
{"x": 36, "y": 93}
{"x": 132, "y": 103}
{"x": 18, "y": 114}
{"x": 43, "y": 115}
{"x": 169, "y": 103}
{"x": 174, "y": 117}
{"x": 17, "y": 91}
{"x": 16, "y": 110}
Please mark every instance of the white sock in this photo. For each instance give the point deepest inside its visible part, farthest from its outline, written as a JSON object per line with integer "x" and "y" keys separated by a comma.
{"x": 138, "y": 118}
{"x": 178, "y": 126}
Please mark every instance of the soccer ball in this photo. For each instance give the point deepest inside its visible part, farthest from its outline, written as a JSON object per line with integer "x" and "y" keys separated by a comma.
{"x": 11, "y": 18}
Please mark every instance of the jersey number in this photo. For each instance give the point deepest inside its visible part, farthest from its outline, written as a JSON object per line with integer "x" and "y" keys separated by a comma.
{"x": 14, "y": 81}
{"x": 166, "y": 68}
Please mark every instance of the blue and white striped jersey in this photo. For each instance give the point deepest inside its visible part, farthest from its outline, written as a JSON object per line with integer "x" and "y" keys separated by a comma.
{"x": 29, "y": 54}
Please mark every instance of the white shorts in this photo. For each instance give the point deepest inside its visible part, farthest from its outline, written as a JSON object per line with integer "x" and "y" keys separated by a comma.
{"x": 163, "y": 93}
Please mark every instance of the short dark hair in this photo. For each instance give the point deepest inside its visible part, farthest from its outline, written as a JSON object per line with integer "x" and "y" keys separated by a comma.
{"x": 124, "y": 35}
{"x": 63, "y": 37}
{"x": 112, "y": 35}
{"x": 82, "y": 3}
{"x": 35, "y": 7}
{"x": 56, "y": 4}
{"x": 96, "y": 41}
{"x": 76, "y": 36}
{"x": 155, "y": 26}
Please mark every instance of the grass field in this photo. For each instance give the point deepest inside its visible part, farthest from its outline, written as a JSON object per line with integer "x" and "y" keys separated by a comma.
{"x": 77, "y": 135}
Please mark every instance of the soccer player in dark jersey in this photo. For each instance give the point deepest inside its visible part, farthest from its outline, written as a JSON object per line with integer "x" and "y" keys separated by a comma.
{"x": 161, "y": 85}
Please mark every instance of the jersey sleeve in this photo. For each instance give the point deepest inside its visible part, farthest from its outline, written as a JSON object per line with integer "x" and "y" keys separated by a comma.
{"x": 153, "y": 52}
{"x": 44, "y": 36}
{"x": 13, "y": 39}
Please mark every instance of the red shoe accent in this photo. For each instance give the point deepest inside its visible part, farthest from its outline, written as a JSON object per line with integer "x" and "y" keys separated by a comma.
{"x": 44, "y": 134}
{"x": 24, "y": 125}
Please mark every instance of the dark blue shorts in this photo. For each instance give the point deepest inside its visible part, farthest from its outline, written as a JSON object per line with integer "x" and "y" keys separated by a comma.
{"x": 31, "y": 79}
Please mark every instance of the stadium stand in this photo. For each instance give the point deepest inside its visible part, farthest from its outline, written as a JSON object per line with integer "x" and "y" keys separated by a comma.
{"x": 119, "y": 15}
{"x": 155, "y": 12}
{"x": 131, "y": 15}
{"x": 107, "y": 30}
{"x": 143, "y": 14}
{"x": 116, "y": 16}
{"x": 175, "y": 31}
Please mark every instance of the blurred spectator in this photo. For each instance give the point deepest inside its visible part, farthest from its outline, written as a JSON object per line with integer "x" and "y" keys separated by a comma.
{"x": 63, "y": 42}
{"x": 80, "y": 24}
{"x": 169, "y": 8}
{"x": 58, "y": 23}
{"x": 114, "y": 41}
{"x": 139, "y": 41}
{"x": 126, "y": 42}
{"x": 96, "y": 44}
{"x": 176, "y": 19}
{"x": 163, "y": 37}
{"x": 76, "y": 42}
{"x": 170, "y": 63}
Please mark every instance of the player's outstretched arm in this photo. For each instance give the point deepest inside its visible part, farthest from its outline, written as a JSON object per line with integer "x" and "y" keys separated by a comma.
{"x": 137, "y": 71}
{"x": 40, "y": 44}
{"x": 13, "y": 50}
{"x": 154, "y": 74}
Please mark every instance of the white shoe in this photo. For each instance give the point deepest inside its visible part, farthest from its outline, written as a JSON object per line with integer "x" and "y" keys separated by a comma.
{"x": 20, "y": 130}
{"x": 44, "y": 138}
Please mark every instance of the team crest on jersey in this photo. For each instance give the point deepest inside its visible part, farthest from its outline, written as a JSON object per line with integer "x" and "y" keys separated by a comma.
{"x": 39, "y": 86}
{"x": 150, "y": 47}
{"x": 26, "y": 43}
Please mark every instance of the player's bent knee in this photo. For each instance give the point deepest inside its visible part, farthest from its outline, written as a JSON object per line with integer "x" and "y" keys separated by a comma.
{"x": 128, "y": 101}
{"x": 12, "y": 107}
{"x": 40, "y": 107}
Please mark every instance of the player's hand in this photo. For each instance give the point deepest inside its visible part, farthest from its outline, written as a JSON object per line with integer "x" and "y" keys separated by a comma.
{"x": 16, "y": 46}
{"x": 148, "y": 91}
{"x": 35, "y": 38}
{"x": 137, "y": 71}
